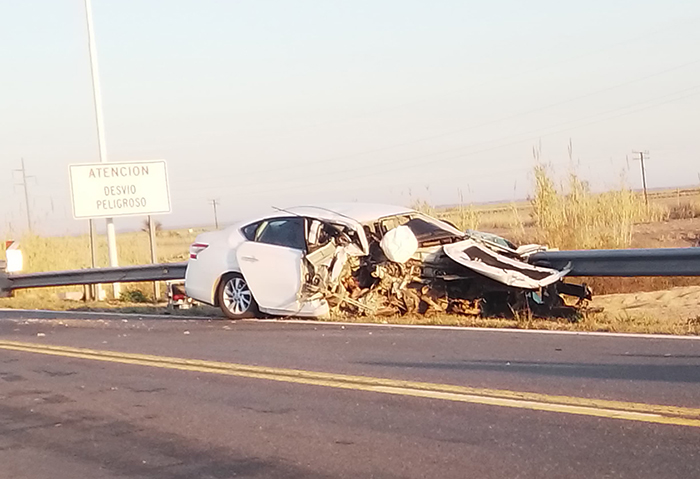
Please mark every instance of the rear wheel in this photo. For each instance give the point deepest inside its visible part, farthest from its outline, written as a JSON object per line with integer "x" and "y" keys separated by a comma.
{"x": 235, "y": 298}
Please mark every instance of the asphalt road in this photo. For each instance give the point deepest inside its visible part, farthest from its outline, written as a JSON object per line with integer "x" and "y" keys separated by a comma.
{"x": 217, "y": 399}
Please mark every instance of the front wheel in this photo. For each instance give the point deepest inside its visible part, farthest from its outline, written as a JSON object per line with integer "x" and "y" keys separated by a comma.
{"x": 235, "y": 298}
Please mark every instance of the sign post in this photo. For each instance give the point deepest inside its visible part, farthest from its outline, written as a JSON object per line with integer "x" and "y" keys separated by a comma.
{"x": 95, "y": 289}
{"x": 154, "y": 255}
{"x": 108, "y": 190}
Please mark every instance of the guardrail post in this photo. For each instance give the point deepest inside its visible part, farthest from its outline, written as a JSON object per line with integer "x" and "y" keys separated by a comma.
{"x": 5, "y": 284}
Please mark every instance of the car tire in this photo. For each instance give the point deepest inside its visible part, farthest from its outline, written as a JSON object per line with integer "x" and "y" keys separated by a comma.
{"x": 235, "y": 297}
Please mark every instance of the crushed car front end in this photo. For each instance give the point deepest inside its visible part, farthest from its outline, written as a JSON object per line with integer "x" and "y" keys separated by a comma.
{"x": 417, "y": 264}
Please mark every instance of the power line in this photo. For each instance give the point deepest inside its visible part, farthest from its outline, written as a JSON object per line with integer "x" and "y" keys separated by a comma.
{"x": 341, "y": 176}
{"x": 470, "y": 127}
{"x": 569, "y": 59}
{"x": 463, "y": 155}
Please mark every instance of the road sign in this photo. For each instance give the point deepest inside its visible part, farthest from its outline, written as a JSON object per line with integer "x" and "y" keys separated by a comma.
{"x": 13, "y": 255}
{"x": 119, "y": 189}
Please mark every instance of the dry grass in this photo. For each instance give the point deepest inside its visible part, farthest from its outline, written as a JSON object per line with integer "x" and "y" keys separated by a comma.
{"x": 574, "y": 218}
{"x": 52, "y": 303}
{"x": 569, "y": 216}
{"x": 73, "y": 252}
{"x": 613, "y": 285}
{"x": 507, "y": 217}
{"x": 683, "y": 211}
{"x": 424, "y": 206}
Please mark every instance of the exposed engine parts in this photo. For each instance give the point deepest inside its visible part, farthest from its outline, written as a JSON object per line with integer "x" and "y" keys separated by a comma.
{"x": 423, "y": 266}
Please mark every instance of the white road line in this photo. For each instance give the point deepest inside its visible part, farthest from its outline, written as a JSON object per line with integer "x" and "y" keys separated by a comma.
{"x": 344, "y": 323}
{"x": 473, "y": 328}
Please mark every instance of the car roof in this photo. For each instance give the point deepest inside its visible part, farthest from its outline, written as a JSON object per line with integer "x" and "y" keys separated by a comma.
{"x": 363, "y": 213}
{"x": 360, "y": 212}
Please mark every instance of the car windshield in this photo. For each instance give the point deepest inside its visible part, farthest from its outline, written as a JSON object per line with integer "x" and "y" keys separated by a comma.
{"x": 427, "y": 230}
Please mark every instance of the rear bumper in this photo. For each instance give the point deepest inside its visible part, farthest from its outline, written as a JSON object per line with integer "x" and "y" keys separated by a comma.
{"x": 199, "y": 284}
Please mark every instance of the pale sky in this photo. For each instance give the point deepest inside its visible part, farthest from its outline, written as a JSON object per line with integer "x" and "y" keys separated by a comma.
{"x": 260, "y": 103}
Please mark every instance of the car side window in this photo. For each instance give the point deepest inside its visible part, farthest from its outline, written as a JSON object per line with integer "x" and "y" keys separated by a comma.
{"x": 287, "y": 232}
{"x": 249, "y": 231}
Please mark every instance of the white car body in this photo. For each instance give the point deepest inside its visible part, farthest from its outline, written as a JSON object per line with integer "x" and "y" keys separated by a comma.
{"x": 292, "y": 262}
{"x": 274, "y": 273}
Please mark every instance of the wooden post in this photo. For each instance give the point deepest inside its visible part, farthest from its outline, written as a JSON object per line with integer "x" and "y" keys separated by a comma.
{"x": 644, "y": 178}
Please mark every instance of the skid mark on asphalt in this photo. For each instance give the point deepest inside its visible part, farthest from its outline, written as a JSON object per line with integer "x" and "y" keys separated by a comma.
{"x": 10, "y": 378}
{"x": 650, "y": 413}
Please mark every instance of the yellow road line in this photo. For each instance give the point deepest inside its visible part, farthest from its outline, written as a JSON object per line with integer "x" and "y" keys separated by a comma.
{"x": 652, "y": 413}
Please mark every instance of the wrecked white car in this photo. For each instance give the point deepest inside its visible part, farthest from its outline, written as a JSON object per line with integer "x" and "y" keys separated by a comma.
{"x": 368, "y": 259}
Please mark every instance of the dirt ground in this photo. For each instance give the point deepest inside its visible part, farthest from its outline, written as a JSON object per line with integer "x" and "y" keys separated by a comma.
{"x": 667, "y": 234}
{"x": 677, "y": 298}
{"x": 679, "y": 233}
{"x": 682, "y": 303}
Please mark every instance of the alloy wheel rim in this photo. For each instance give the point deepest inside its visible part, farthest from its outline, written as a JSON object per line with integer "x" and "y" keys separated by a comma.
{"x": 237, "y": 296}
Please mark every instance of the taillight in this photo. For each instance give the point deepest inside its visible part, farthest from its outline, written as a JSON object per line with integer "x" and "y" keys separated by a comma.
{"x": 196, "y": 248}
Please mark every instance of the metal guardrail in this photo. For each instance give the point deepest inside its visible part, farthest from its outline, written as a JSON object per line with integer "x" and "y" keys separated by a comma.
{"x": 620, "y": 262}
{"x": 124, "y": 274}
{"x": 624, "y": 262}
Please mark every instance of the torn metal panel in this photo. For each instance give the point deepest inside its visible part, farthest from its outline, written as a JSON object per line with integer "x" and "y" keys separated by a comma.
{"x": 508, "y": 271}
{"x": 349, "y": 229}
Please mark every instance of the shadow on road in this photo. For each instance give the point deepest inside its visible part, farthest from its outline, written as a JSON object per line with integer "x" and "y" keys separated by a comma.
{"x": 684, "y": 373}
{"x": 131, "y": 450}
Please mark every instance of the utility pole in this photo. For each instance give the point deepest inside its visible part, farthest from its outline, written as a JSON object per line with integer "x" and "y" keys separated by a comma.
{"x": 215, "y": 203}
{"x": 644, "y": 155}
{"x": 26, "y": 194}
{"x": 97, "y": 97}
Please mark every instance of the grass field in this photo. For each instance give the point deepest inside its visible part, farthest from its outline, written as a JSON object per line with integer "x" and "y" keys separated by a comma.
{"x": 73, "y": 252}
